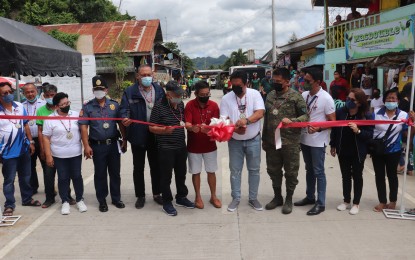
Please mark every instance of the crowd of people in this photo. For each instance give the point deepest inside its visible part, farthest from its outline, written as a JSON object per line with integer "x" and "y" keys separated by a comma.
{"x": 276, "y": 99}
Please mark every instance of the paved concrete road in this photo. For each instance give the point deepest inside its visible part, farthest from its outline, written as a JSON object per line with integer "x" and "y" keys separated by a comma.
{"x": 211, "y": 233}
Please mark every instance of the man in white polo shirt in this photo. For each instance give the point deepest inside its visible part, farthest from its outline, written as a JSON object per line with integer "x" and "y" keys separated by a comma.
{"x": 244, "y": 107}
{"x": 320, "y": 107}
{"x": 31, "y": 105}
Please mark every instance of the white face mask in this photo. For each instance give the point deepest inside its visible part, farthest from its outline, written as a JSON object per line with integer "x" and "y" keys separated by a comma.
{"x": 99, "y": 94}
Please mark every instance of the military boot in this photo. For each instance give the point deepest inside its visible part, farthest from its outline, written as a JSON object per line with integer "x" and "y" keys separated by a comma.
{"x": 288, "y": 205}
{"x": 276, "y": 201}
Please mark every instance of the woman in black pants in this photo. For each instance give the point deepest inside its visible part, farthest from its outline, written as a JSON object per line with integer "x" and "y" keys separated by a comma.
{"x": 350, "y": 145}
{"x": 390, "y": 158}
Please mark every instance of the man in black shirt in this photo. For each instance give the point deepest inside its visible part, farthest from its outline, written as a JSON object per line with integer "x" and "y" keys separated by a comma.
{"x": 172, "y": 151}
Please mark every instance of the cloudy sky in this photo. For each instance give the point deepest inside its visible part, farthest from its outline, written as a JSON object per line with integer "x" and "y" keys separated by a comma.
{"x": 214, "y": 27}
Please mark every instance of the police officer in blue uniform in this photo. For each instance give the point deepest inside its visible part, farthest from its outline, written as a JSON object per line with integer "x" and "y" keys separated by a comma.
{"x": 102, "y": 143}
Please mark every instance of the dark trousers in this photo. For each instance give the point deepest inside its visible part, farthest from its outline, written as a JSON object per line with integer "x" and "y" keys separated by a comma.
{"x": 69, "y": 169}
{"x": 21, "y": 165}
{"x": 107, "y": 158}
{"x": 49, "y": 180}
{"x": 34, "y": 182}
{"x": 390, "y": 162}
{"x": 351, "y": 168}
{"x": 139, "y": 159}
{"x": 173, "y": 160}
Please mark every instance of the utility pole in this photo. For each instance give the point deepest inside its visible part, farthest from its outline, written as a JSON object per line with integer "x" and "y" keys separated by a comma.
{"x": 119, "y": 6}
{"x": 274, "y": 47}
{"x": 165, "y": 17}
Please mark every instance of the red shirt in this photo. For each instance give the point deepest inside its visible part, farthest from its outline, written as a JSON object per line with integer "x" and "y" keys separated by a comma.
{"x": 194, "y": 114}
{"x": 339, "y": 89}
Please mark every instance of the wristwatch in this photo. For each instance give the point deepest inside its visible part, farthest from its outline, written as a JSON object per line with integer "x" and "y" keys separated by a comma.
{"x": 358, "y": 131}
{"x": 247, "y": 121}
{"x": 32, "y": 142}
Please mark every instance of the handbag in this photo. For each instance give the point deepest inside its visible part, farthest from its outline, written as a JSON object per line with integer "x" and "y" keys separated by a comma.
{"x": 377, "y": 146}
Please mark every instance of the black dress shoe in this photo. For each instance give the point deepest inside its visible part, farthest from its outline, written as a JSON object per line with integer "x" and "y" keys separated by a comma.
{"x": 305, "y": 201}
{"x": 118, "y": 204}
{"x": 317, "y": 209}
{"x": 139, "y": 204}
{"x": 103, "y": 207}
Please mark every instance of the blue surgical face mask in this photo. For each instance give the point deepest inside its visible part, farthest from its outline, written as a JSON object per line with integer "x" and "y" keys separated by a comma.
{"x": 146, "y": 81}
{"x": 8, "y": 98}
{"x": 49, "y": 101}
{"x": 176, "y": 100}
{"x": 32, "y": 100}
{"x": 391, "y": 105}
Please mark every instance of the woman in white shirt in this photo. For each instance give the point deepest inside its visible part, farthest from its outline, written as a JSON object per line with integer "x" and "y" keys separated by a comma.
{"x": 63, "y": 149}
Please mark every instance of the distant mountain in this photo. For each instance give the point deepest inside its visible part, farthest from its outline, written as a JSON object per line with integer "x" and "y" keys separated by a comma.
{"x": 203, "y": 63}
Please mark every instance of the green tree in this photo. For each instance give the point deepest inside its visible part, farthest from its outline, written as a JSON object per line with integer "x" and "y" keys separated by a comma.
{"x": 10, "y": 8}
{"x": 236, "y": 58}
{"x": 119, "y": 60}
{"x": 173, "y": 47}
{"x": 97, "y": 11}
{"x": 67, "y": 38}
{"x": 187, "y": 63}
{"x": 293, "y": 38}
{"x": 38, "y": 12}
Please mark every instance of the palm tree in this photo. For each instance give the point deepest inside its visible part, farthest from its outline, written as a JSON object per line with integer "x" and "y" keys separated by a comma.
{"x": 239, "y": 57}
{"x": 236, "y": 58}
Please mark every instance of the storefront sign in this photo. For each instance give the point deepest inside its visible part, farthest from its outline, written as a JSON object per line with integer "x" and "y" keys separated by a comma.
{"x": 372, "y": 41}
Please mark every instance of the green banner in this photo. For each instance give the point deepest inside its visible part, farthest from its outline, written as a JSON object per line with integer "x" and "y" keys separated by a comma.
{"x": 372, "y": 41}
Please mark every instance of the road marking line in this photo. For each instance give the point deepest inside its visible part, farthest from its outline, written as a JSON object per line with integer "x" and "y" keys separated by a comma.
{"x": 16, "y": 241}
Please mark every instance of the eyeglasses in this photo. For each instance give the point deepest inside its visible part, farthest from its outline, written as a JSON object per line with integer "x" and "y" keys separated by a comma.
{"x": 351, "y": 99}
{"x": 65, "y": 104}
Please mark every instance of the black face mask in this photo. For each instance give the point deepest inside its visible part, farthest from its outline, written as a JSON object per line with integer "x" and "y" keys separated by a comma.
{"x": 376, "y": 95}
{"x": 237, "y": 90}
{"x": 203, "y": 100}
{"x": 277, "y": 86}
{"x": 65, "y": 109}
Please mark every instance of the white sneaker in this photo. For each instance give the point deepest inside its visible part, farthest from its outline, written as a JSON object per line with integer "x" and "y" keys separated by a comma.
{"x": 354, "y": 210}
{"x": 343, "y": 206}
{"x": 66, "y": 209}
{"x": 81, "y": 206}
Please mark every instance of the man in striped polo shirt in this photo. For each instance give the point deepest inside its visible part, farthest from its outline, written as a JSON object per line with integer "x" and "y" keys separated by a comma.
{"x": 171, "y": 143}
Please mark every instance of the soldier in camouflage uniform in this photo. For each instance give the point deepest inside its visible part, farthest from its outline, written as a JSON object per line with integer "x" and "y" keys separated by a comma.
{"x": 284, "y": 105}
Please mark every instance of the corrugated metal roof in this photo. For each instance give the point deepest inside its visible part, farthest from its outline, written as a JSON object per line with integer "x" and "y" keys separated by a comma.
{"x": 142, "y": 34}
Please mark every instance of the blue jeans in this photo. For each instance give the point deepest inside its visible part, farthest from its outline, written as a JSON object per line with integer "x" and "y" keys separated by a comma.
{"x": 251, "y": 149}
{"x": 314, "y": 166}
{"x": 20, "y": 164}
{"x": 69, "y": 169}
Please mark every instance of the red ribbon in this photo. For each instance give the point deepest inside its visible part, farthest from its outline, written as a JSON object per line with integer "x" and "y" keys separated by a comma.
{"x": 221, "y": 132}
{"x": 340, "y": 123}
{"x": 81, "y": 118}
